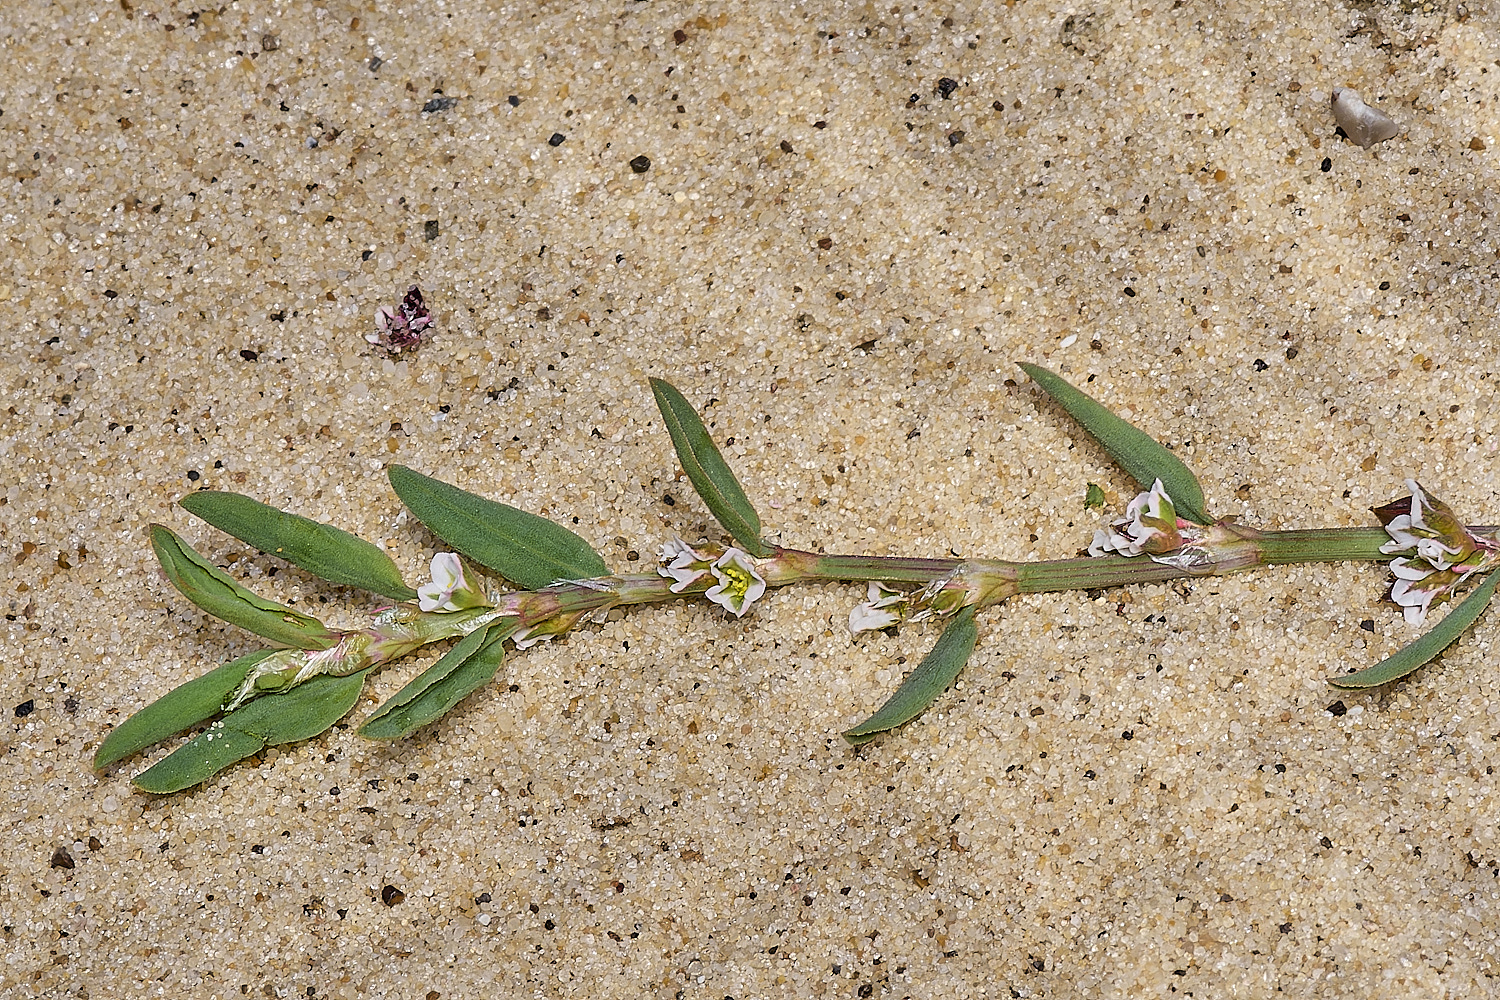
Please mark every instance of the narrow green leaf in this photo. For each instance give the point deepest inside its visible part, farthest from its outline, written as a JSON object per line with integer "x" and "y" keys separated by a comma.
{"x": 524, "y": 548}
{"x": 707, "y": 470}
{"x": 214, "y": 591}
{"x": 1412, "y": 656}
{"x": 301, "y": 713}
{"x": 321, "y": 549}
{"x": 184, "y": 706}
{"x": 1135, "y": 450}
{"x": 922, "y": 686}
{"x": 467, "y": 666}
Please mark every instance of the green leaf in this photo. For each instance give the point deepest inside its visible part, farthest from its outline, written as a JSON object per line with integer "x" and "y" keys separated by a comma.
{"x": 524, "y": 548}
{"x": 303, "y": 712}
{"x": 468, "y": 665}
{"x": 184, "y": 706}
{"x": 1093, "y": 497}
{"x": 215, "y": 592}
{"x": 321, "y": 549}
{"x": 707, "y": 470}
{"x": 922, "y": 686}
{"x": 1412, "y": 656}
{"x": 1135, "y": 450}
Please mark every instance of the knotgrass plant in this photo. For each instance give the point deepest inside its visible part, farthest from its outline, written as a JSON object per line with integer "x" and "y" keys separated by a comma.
{"x": 314, "y": 678}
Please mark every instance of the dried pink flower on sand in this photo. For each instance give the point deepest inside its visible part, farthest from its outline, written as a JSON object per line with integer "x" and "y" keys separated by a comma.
{"x": 400, "y": 328}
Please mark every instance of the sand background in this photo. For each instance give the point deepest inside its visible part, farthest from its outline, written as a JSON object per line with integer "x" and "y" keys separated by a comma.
{"x": 1136, "y": 793}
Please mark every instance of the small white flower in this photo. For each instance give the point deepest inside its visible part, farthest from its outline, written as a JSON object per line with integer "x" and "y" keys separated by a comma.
{"x": 1435, "y": 553}
{"x": 739, "y": 586}
{"x": 1149, "y": 525}
{"x": 550, "y": 628}
{"x": 449, "y": 590}
{"x": 527, "y": 637}
{"x": 1414, "y": 600}
{"x": 1432, "y": 529}
{"x": 873, "y": 614}
{"x": 681, "y": 563}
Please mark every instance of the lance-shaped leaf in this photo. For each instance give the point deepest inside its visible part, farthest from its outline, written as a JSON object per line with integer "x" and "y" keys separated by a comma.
{"x": 467, "y": 666}
{"x": 180, "y": 708}
{"x": 301, "y": 713}
{"x": 922, "y": 686}
{"x": 1135, "y": 450}
{"x": 524, "y": 548}
{"x": 707, "y": 471}
{"x": 321, "y": 549}
{"x": 214, "y": 591}
{"x": 1412, "y": 656}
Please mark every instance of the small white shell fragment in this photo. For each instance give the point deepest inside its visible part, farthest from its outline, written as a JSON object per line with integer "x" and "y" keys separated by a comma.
{"x": 1361, "y": 122}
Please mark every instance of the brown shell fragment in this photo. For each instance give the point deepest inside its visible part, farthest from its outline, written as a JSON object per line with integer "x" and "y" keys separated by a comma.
{"x": 1361, "y": 122}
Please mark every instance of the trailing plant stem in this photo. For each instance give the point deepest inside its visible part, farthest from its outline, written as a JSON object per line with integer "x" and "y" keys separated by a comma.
{"x": 952, "y": 584}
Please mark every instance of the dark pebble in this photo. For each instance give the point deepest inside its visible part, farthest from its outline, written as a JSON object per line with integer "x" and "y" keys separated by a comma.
{"x": 375, "y": 63}
{"x": 513, "y": 101}
{"x": 1337, "y": 708}
{"x": 25, "y": 708}
{"x": 954, "y": 138}
{"x": 641, "y": 164}
{"x": 946, "y": 86}
{"x": 430, "y": 230}
{"x": 390, "y": 896}
{"x": 440, "y": 104}
{"x": 557, "y": 139}
{"x": 61, "y": 859}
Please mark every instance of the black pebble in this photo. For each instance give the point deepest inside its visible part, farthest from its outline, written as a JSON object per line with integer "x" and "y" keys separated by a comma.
{"x": 430, "y": 230}
{"x": 641, "y": 164}
{"x": 513, "y": 101}
{"x": 1337, "y": 709}
{"x": 440, "y": 104}
{"x": 954, "y": 138}
{"x": 25, "y": 708}
{"x": 557, "y": 139}
{"x": 946, "y": 86}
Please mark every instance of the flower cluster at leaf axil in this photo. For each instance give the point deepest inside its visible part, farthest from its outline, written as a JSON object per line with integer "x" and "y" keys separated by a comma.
{"x": 1150, "y": 526}
{"x": 1435, "y": 553}
{"x": 884, "y": 606}
{"x": 738, "y": 582}
{"x": 450, "y": 589}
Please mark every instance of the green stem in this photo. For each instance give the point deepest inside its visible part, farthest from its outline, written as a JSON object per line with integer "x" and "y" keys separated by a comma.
{"x": 1280, "y": 548}
{"x": 811, "y": 566}
{"x": 1090, "y": 573}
